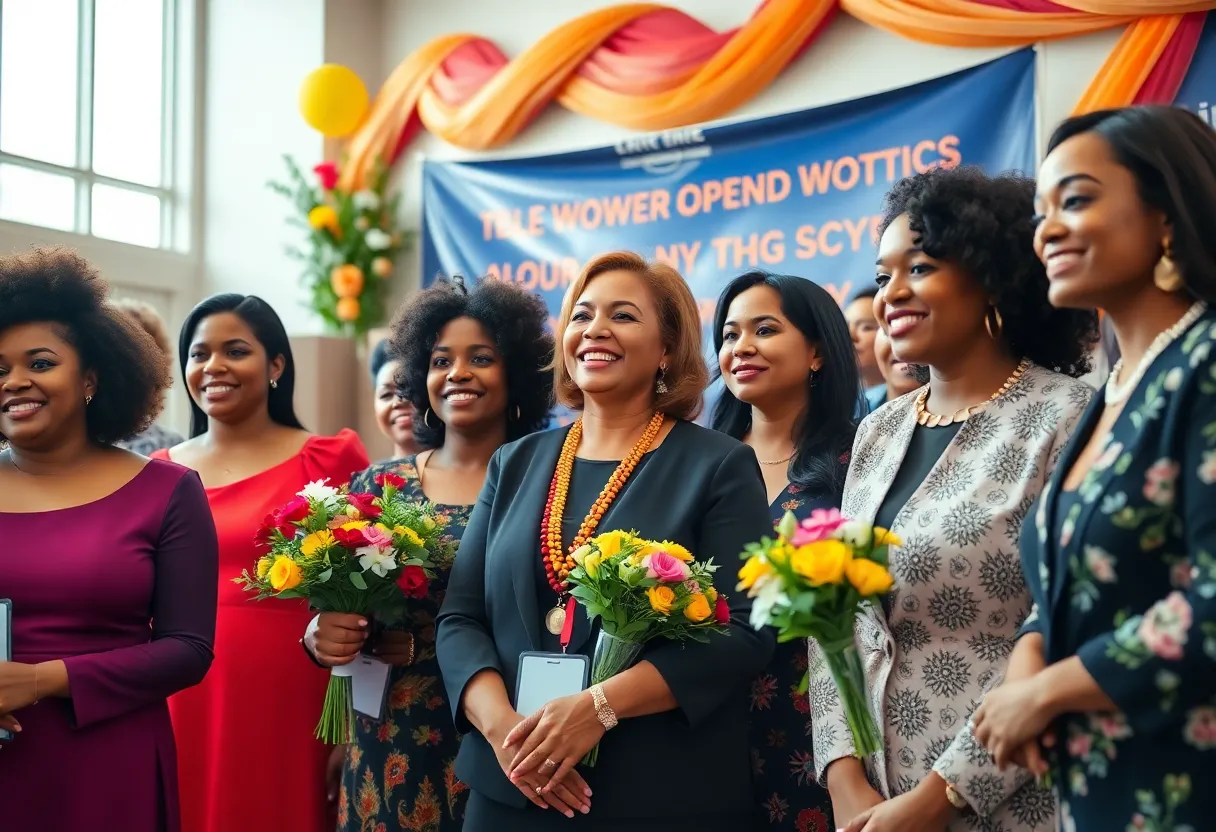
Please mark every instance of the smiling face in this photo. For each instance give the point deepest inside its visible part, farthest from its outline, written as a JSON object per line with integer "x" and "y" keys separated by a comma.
{"x": 1096, "y": 236}
{"x": 764, "y": 357}
{"x": 42, "y": 386}
{"x": 228, "y": 372}
{"x": 613, "y": 345}
{"x": 394, "y": 415}
{"x": 467, "y": 379}
{"x": 862, "y": 325}
{"x": 931, "y": 311}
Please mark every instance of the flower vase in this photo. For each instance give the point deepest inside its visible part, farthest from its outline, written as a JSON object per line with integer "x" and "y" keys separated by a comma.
{"x": 612, "y": 656}
{"x": 338, "y": 711}
{"x": 845, "y": 666}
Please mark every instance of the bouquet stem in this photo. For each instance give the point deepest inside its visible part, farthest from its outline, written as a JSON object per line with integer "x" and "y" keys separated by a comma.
{"x": 845, "y": 666}
{"x": 337, "y": 713}
{"x": 612, "y": 656}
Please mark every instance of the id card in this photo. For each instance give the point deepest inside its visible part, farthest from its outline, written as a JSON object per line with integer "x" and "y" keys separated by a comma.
{"x": 6, "y": 645}
{"x": 369, "y": 679}
{"x": 544, "y": 677}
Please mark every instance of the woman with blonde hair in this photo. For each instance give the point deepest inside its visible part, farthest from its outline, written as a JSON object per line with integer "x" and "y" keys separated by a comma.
{"x": 629, "y": 359}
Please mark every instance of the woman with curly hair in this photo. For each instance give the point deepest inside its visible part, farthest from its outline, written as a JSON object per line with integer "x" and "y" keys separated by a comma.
{"x": 154, "y": 437}
{"x": 109, "y": 560}
{"x": 953, "y": 471}
{"x": 252, "y": 454}
{"x": 473, "y": 364}
{"x": 1114, "y": 670}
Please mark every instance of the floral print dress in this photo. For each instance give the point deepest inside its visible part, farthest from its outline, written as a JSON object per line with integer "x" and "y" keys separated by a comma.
{"x": 399, "y": 771}
{"x": 1123, "y": 574}
{"x": 780, "y": 731}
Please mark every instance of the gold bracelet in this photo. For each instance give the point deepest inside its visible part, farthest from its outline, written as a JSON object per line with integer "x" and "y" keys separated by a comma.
{"x": 603, "y": 711}
{"x": 956, "y": 799}
{"x": 411, "y": 659}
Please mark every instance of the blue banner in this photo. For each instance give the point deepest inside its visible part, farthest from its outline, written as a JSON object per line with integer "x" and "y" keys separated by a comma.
{"x": 796, "y": 193}
{"x": 1198, "y": 90}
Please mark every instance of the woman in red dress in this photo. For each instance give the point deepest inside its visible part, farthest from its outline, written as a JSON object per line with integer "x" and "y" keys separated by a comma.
{"x": 246, "y": 753}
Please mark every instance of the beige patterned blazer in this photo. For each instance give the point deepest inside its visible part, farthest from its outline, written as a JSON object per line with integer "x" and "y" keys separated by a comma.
{"x": 958, "y": 600}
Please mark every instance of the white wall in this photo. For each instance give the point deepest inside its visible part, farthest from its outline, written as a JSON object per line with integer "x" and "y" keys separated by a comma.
{"x": 850, "y": 60}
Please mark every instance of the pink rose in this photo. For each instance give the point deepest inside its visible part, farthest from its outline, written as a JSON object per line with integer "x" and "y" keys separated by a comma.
{"x": 1165, "y": 625}
{"x": 1079, "y": 745}
{"x": 1159, "y": 482}
{"x": 377, "y": 537}
{"x": 666, "y": 568}
{"x": 820, "y": 525}
{"x": 1200, "y": 728}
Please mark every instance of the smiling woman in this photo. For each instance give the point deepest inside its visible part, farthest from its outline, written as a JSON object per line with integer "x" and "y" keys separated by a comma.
{"x": 118, "y": 613}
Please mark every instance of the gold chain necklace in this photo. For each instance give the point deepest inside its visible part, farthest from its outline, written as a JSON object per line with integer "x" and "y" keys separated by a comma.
{"x": 934, "y": 420}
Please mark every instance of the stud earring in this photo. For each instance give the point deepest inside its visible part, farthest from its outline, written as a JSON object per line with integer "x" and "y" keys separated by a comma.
{"x": 1165, "y": 273}
{"x": 274, "y": 385}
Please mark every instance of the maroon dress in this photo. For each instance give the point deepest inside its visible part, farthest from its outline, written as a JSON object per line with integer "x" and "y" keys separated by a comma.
{"x": 123, "y": 590}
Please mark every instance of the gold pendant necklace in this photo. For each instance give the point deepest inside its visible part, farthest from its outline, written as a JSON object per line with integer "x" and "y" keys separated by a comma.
{"x": 929, "y": 419}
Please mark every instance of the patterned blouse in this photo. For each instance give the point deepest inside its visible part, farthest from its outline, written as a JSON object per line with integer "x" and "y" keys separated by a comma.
{"x": 782, "y": 770}
{"x": 399, "y": 771}
{"x": 958, "y": 600}
{"x": 1123, "y": 574}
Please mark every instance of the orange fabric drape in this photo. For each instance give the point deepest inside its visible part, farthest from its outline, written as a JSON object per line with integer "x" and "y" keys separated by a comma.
{"x": 1129, "y": 63}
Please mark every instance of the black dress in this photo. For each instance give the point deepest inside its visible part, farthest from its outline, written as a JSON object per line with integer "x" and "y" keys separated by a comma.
{"x": 683, "y": 770}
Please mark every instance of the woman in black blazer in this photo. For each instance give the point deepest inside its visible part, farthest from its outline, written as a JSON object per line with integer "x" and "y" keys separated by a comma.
{"x": 678, "y": 759}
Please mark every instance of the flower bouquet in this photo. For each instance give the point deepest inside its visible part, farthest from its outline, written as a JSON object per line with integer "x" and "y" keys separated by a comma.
{"x": 345, "y": 552}
{"x": 353, "y": 241}
{"x": 809, "y": 583}
{"x": 641, "y": 590}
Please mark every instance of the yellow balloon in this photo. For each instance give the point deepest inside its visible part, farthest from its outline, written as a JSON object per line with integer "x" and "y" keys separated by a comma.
{"x": 333, "y": 100}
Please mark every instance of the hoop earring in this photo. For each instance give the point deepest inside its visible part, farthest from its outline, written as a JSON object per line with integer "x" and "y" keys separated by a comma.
{"x": 1165, "y": 273}
{"x": 660, "y": 386}
{"x": 1000, "y": 324}
{"x": 426, "y": 418}
{"x": 517, "y": 413}
{"x": 274, "y": 385}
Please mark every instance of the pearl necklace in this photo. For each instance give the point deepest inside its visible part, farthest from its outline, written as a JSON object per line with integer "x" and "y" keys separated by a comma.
{"x": 1116, "y": 393}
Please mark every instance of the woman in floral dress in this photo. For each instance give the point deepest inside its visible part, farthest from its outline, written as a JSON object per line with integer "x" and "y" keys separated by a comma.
{"x": 1112, "y": 686}
{"x": 791, "y": 390}
{"x": 471, "y": 364}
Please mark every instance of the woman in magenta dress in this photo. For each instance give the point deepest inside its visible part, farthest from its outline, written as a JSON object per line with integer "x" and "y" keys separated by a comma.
{"x": 246, "y": 750}
{"x": 109, "y": 560}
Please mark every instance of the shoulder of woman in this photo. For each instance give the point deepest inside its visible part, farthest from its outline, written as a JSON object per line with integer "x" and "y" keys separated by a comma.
{"x": 1072, "y": 394}
{"x": 341, "y": 448}
{"x": 405, "y": 467}
{"x": 707, "y": 443}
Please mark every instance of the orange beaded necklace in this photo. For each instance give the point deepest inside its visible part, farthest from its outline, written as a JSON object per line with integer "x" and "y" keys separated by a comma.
{"x": 558, "y": 563}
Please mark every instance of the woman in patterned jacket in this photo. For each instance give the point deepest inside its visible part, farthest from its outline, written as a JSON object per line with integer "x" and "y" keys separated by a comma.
{"x": 952, "y": 469}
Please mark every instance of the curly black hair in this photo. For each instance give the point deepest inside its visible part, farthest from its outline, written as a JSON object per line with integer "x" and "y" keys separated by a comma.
{"x": 985, "y": 225}
{"x": 59, "y": 287}
{"x": 514, "y": 318}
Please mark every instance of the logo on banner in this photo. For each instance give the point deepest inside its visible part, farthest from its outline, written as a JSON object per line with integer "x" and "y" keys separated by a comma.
{"x": 664, "y": 153}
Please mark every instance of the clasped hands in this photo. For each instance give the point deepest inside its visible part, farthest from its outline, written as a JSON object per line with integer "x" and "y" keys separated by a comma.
{"x": 538, "y": 753}
{"x": 1012, "y": 721}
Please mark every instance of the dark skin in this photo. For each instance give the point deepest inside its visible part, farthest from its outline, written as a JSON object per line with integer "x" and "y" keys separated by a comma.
{"x": 51, "y": 464}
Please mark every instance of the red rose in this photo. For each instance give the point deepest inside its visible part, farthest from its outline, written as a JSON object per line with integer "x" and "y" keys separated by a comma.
{"x": 386, "y": 478}
{"x": 721, "y": 611}
{"x": 365, "y": 504}
{"x": 413, "y": 582}
{"x": 349, "y": 538}
{"x": 294, "y": 511}
{"x": 327, "y": 174}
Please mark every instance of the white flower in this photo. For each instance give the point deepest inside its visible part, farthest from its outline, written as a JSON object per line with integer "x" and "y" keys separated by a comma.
{"x": 580, "y": 554}
{"x": 377, "y": 239}
{"x": 1173, "y": 379}
{"x": 319, "y": 492}
{"x": 766, "y": 593}
{"x": 855, "y": 533}
{"x": 365, "y": 200}
{"x": 377, "y": 560}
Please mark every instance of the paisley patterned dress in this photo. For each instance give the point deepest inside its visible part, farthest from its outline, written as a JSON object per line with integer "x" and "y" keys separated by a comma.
{"x": 783, "y": 770}
{"x": 399, "y": 770}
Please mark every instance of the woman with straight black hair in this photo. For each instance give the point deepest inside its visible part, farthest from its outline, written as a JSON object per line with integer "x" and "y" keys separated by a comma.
{"x": 252, "y": 720}
{"x": 1112, "y": 684}
{"x": 791, "y": 392}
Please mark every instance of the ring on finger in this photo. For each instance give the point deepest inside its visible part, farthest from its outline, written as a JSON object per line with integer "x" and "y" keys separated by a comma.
{"x": 549, "y": 763}
{"x": 537, "y": 789}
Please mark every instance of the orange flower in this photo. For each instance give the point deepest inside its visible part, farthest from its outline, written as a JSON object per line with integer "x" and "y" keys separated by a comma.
{"x": 661, "y": 599}
{"x": 382, "y": 267}
{"x": 285, "y": 574}
{"x": 698, "y": 609}
{"x": 347, "y": 280}
{"x": 347, "y": 309}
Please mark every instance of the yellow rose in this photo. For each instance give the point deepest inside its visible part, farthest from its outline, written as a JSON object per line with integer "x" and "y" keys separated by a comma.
{"x": 822, "y": 562}
{"x": 354, "y": 524}
{"x": 324, "y": 216}
{"x": 884, "y": 537}
{"x": 316, "y": 542}
{"x": 676, "y": 551}
{"x": 264, "y": 566}
{"x": 661, "y": 599}
{"x": 610, "y": 543}
{"x": 408, "y": 533}
{"x": 698, "y": 609}
{"x": 868, "y": 577}
{"x": 591, "y": 564}
{"x": 712, "y": 595}
{"x": 752, "y": 571}
{"x": 285, "y": 574}
{"x": 781, "y": 553}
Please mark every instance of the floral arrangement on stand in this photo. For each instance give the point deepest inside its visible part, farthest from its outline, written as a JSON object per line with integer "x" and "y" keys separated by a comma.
{"x": 810, "y": 583}
{"x": 346, "y": 552}
{"x": 641, "y": 590}
{"x": 353, "y": 242}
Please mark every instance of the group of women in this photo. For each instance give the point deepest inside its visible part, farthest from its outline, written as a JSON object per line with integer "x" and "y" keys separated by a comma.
{"x": 1046, "y": 656}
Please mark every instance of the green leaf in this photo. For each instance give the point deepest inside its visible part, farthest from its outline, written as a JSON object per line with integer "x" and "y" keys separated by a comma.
{"x": 357, "y": 580}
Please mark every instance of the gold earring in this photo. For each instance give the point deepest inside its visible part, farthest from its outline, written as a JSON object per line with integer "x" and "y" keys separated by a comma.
{"x": 1000, "y": 324}
{"x": 274, "y": 385}
{"x": 88, "y": 400}
{"x": 660, "y": 387}
{"x": 1165, "y": 273}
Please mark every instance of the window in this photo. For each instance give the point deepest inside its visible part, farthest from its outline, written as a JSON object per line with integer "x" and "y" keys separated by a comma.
{"x": 87, "y": 118}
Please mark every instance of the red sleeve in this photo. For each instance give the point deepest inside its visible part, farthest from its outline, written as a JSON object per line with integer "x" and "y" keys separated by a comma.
{"x": 336, "y": 458}
{"x": 160, "y": 453}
